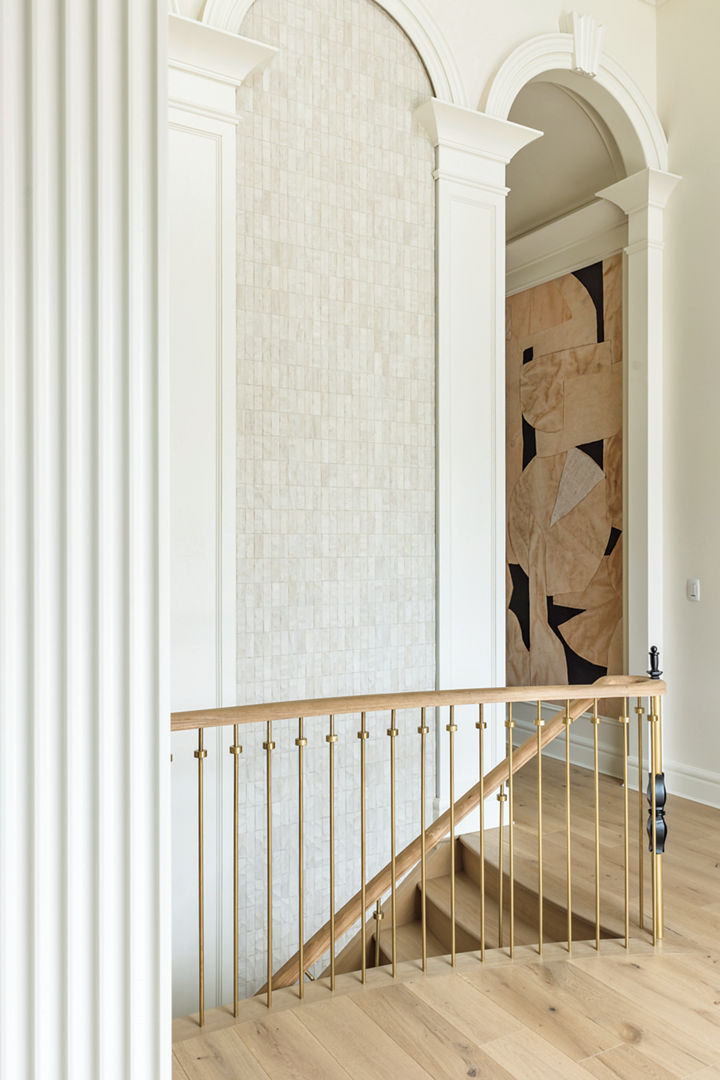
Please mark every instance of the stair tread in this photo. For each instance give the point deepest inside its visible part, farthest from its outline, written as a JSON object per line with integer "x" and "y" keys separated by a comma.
{"x": 409, "y": 942}
{"x": 467, "y": 910}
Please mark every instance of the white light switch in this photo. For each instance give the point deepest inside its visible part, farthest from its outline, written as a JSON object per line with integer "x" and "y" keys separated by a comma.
{"x": 693, "y": 588}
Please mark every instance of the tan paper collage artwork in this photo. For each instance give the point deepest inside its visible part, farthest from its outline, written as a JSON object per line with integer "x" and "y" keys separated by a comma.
{"x": 564, "y": 478}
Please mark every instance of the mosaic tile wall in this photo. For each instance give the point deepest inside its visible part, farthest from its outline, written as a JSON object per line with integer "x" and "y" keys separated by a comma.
{"x": 336, "y": 453}
{"x": 564, "y": 478}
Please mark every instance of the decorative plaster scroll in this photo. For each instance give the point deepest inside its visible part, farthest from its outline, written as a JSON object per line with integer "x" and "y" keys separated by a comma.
{"x": 588, "y": 40}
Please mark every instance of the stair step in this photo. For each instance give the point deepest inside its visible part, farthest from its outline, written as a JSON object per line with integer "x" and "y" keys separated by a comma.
{"x": 467, "y": 916}
{"x": 408, "y": 943}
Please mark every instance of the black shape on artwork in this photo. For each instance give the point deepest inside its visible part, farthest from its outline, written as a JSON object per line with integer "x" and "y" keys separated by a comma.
{"x": 595, "y": 450}
{"x": 529, "y": 443}
{"x": 615, "y": 535}
{"x": 579, "y": 669}
{"x": 528, "y": 355}
{"x": 520, "y": 600}
{"x": 592, "y": 278}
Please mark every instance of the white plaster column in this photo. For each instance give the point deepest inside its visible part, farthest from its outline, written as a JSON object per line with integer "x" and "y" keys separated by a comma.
{"x": 84, "y": 728}
{"x": 472, "y": 151}
{"x": 643, "y": 197}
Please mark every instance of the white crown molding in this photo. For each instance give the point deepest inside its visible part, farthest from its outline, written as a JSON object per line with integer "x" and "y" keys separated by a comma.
{"x": 556, "y": 53}
{"x": 216, "y": 54}
{"x": 588, "y": 41}
{"x": 473, "y": 131}
{"x": 410, "y": 15}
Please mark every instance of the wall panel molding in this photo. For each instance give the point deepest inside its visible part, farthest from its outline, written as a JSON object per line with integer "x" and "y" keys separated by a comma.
{"x": 84, "y": 981}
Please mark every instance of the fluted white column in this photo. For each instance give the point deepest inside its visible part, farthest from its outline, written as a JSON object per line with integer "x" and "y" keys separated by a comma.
{"x": 83, "y": 705}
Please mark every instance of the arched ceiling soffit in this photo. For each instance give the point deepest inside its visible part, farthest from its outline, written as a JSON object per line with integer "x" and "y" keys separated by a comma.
{"x": 579, "y": 62}
{"x": 410, "y": 15}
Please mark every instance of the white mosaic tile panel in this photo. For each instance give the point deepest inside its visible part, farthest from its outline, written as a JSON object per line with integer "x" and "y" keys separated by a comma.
{"x": 336, "y": 440}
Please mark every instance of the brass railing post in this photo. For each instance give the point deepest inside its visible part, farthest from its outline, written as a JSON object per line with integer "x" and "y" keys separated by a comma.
{"x": 363, "y": 734}
{"x": 378, "y": 917}
{"x": 201, "y": 754}
{"x": 539, "y": 724}
{"x": 596, "y": 785}
{"x": 640, "y": 712}
{"x": 301, "y": 743}
{"x": 567, "y": 720}
{"x": 481, "y": 725}
{"x": 423, "y": 731}
{"x": 625, "y": 721}
{"x": 393, "y": 733}
{"x": 268, "y": 747}
{"x": 502, "y": 799}
{"x": 236, "y": 751}
{"x": 451, "y": 728}
{"x": 331, "y": 739}
{"x": 510, "y": 724}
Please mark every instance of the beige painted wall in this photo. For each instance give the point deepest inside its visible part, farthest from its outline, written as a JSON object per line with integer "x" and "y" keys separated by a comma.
{"x": 689, "y": 91}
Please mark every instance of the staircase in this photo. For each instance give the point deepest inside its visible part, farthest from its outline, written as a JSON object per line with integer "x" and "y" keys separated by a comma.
{"x": 468, "y": 880}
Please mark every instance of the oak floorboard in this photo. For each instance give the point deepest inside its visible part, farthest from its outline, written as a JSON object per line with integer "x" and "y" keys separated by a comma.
{"x": 355, "y": 1040}
{"x": 437, "y": 1045}
{"x": 477, "y": 1017}
{"x": 526, "y": 1055}
{"x": 219, "y": 1055}
{"x": 626, "y": 1063}
{"x": 287, "y": 1050}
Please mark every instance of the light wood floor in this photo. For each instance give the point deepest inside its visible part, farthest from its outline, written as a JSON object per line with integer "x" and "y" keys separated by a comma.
{"x": 614, "y": 1013}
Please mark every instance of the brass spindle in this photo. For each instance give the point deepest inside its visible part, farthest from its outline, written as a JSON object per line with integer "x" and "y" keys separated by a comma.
{"x": 393, "y": 733}
{"x": 481, "y": 725}
{"x": 268, "y": 747}
{"x": 423, "y": 731}
{"x": 236, "y": 751}
{"x": 625, "y": 721}
{"x": 201, "y": 754}
{"x": 301, "y": 743}
{"x": 378, "y": 917}
{"x": 363, "y": 735}
{"x": 510, "y": 724}
{"x": 539, "y": 723}
{"x": 655, "y": 769}
{"x": 596, "y": 784}
{"x": 639, "y": 711}
{"x": 502, "y": 799}
{"x": 331, "y": 739}
{"x": 451, "y": 728}
{"x": 568, "y": 853}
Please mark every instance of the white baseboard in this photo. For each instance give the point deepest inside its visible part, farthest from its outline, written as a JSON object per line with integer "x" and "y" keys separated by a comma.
{"x": 685, "y": 781}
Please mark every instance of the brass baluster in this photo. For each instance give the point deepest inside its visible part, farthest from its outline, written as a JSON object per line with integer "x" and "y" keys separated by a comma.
{"x": 378, "y": 917}
{"x": 539, "y": 723}
{"x": 452, "y": 728}
{"x": 268, "y": 747}
{"x": 568, "y": 853}
{"x": 423, "y": 731}
{"x": 301, "y": 743}
{"x": 510, "y": 724}
{"x": 596, "y": 784}
{"x": 502, "y": 799}
{"x": 363, "y": 735}
{"x": 201, "y": 754}
{"x": 481, "y": 725}
{"x": 331, "y": 739}
{"x": 639, "y": 711}
{"x": 393, "y": 733}
{"x": 236, "y": 751}
{"x": 625, "y": 721}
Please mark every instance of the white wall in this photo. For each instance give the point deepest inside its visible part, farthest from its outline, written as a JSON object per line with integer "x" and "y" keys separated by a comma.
{"x": 688, "y": 94}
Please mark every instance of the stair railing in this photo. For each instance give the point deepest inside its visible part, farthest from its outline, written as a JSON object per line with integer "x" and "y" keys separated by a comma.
{"x": 573, "y": 702}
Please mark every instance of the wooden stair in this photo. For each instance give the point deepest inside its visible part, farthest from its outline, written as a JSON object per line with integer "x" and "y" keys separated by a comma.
{"x": 467, "y": 909}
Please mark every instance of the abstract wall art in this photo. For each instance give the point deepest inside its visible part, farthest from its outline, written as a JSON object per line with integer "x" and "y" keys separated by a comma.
{"x": 564, "y": 478}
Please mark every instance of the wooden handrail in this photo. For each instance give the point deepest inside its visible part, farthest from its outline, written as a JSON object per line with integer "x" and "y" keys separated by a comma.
{"x": 614, "y": 686}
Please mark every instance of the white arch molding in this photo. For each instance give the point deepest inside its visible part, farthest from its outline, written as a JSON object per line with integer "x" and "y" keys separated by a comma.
{"x": 642, "y": 196}
{"x": 410, "y": 15}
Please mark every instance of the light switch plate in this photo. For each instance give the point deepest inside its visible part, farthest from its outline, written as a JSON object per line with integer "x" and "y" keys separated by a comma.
{"x": 693, "y": 588}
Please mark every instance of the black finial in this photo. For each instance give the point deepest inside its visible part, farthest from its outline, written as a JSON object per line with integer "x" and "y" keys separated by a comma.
{"x": 654, "y": 671}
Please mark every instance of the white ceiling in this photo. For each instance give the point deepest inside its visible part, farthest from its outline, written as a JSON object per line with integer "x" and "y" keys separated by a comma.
{"x": 560, "y": 172}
